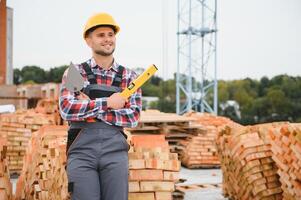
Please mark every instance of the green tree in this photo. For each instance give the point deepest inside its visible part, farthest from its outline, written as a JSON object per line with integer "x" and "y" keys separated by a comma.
{"x": 149, "y": 89}
{"x": 34, "y": 73}
{"x": 55, "y": 74}
{"x": 17, "y": 76}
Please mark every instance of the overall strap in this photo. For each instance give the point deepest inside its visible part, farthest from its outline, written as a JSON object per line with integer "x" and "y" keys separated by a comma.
{"x": 90, "y": 75}
{"x": 92, "y": 78}
{"x": 118, "y": 78}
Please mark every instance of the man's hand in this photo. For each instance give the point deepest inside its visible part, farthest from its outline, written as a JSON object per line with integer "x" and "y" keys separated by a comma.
{"x": 82, "y": 96}
{"x": 116, "y": 101}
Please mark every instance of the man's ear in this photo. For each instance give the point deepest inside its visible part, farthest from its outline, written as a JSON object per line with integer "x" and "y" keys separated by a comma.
{"x": 88, "y": 41}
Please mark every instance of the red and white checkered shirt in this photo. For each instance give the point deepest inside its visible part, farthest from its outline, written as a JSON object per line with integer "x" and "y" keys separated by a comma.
{"x": 73, "y": 109}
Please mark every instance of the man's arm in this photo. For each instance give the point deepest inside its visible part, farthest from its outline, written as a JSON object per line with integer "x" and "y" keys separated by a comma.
{"x": 129, "y": 115}
{"x": 76, "y": 109}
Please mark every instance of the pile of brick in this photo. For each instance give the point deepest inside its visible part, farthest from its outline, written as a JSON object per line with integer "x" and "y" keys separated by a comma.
{"x": 152, "y": 176}
{"x": 153, "y": 169}
{"x": 49, "y": 106}
{"x": 5, "y": 185}
{"x": 17, "y": 129}
{"x": 249, "y": 172}
{"x": 286, "y": 148}
{"x": 200, "y": 149}
{"x": 207, "y": 119}
{"x": 43, "y": 175}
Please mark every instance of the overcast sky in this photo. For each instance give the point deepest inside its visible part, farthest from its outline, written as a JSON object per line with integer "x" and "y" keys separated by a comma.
{"x": 256, "y": 38}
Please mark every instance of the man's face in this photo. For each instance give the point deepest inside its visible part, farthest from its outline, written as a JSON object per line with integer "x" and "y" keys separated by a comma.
{"x": 102, "y": 41}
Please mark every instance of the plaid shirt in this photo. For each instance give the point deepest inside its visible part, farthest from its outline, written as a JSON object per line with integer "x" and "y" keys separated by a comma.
{"x": 73, "y": 109}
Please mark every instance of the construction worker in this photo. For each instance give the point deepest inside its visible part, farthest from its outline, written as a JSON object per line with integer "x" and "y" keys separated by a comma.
{"x": 97, "y": 149}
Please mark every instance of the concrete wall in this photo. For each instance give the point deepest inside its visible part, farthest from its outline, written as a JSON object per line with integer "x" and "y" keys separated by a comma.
{"x": 32, "y": 92}
{"x": 8, "y": 91}
{"x": 50, "y": 90}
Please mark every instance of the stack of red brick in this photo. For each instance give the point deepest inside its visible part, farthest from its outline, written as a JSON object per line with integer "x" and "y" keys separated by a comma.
{"x": 49, "y": 106}
{"x": 153, "y": 169}
{"x": 191, "y": 136}
{"x": 176, "y": 128}
{"x": 286, "y": 147}
{"x": 200, "y": 149}
{"x": 43, "y": 175}
{"x": 5, "y": 185}
{"x": 17, "y": 128}
{"x": 207, "y": 119}
{"x": 152, "y": 176}
{"x": 249, "y": 171}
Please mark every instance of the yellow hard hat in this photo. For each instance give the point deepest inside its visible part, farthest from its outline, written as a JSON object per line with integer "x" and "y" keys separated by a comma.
{"x": 100, "y": 19}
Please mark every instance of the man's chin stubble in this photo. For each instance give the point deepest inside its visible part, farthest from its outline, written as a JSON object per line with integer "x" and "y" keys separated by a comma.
{"x": 102, "y": 53}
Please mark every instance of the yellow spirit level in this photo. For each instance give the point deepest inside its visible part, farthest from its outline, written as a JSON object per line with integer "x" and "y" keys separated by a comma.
{"x": 138, "y": 82}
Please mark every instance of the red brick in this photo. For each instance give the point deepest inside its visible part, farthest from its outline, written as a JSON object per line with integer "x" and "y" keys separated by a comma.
{"x": 148, "y": 186}
{"x": 145, "y": 175}
{"x": 154, "y": 164}
{"x": 170, "y": 176}
{"x": 134, "y": 186}
{"x": 136, "y": 164}
{"x": 163, "y": 196}
{"x": 141, "y": 196}
{"x": 172, "y": 165}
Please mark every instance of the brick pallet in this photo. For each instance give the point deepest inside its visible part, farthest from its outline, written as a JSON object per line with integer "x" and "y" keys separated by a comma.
{"x": 17, "y": 128}
{"x": 286, "y": 148}
{"x": 5, "y": 185}
{"x": 43, "y": 175}
{"x": 153, "y": 169}
{"x": 200, "y": 149}
{"x": 249, "y": 172}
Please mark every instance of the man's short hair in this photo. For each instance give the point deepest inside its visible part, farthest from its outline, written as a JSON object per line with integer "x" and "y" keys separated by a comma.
{"x": 95, "y": 27}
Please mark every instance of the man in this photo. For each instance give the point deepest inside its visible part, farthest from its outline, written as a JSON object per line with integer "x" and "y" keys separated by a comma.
{"x": 97, "y": 165}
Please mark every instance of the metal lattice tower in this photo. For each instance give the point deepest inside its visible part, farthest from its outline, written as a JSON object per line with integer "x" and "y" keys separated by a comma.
{"x": 197, "y": 67}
